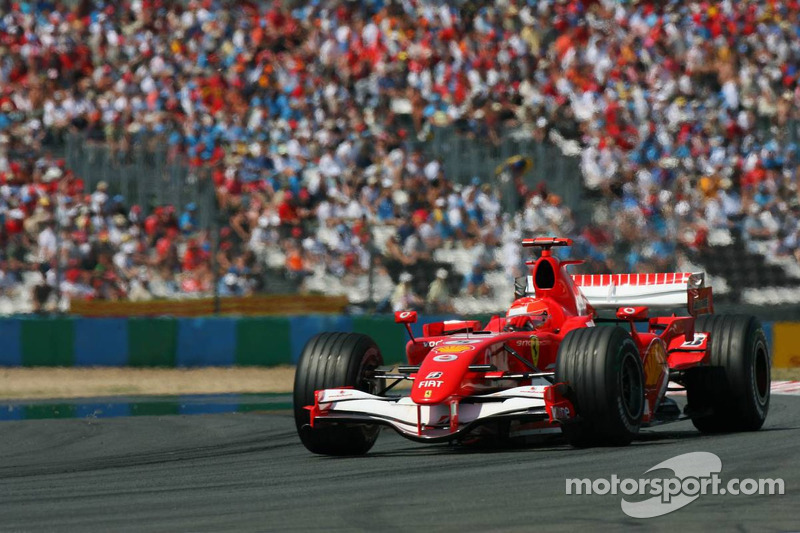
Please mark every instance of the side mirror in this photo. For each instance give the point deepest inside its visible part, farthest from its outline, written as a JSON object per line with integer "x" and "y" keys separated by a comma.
{"x": 405, "y": 317}
{"x": 632, "y": 313}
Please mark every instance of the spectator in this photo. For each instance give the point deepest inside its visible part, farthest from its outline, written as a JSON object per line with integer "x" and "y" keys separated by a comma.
{"x": 188, "y": 219}
{"x": 404, "y": 298}
{"x": 439, "y": 299}
{"x": 42, "y": 292}
{"x": 475, "y": 282}
{"x": 140, "y": 288}
{"x": 230, "y": 285}
{"x": 301, "y": 118}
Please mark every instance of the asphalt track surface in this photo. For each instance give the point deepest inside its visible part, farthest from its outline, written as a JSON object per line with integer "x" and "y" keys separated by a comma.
{"x": 249, "y": 472}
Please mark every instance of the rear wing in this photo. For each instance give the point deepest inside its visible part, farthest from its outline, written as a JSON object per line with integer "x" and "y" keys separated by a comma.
{"x": 612, "y": 291}
{"x": 677, "y": 289}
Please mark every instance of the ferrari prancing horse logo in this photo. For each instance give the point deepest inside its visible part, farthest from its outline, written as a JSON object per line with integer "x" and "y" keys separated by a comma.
{"x": 535, "y": 350}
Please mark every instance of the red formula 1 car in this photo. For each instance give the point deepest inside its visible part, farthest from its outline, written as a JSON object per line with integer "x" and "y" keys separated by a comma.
{"x": 549, "y": 365}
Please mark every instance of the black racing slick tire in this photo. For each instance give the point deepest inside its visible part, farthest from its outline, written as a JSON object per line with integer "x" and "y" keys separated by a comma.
{"x": 331, "y": 360}
{"x": 733, "y": 392}
{"x": 603, "y": 370}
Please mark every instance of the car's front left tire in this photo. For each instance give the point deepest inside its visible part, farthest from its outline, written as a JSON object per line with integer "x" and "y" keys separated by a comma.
{"x": 332, "y": 360}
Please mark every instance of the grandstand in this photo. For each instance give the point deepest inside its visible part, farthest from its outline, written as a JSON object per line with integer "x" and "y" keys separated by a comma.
{"x": 179, "y": 149}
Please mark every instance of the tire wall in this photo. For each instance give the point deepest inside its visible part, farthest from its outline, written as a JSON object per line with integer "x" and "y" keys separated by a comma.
{"x": 231, "y": 340}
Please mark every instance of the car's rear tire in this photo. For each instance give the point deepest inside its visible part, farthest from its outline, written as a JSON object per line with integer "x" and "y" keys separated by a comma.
{"x": 733, "y": 393}
{"x": 603, "y": 370}
{"x": 331, "y": 360}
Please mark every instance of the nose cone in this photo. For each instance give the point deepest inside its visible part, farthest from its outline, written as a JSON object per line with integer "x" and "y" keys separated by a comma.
{"x": 441, "y": 373}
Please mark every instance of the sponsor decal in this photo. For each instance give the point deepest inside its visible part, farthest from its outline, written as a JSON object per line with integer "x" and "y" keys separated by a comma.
{"x": 534, "y": 345}
{"x": 460, "y": 348}
{"x": 560, "y": 413}
{"x": 535, "y": 350}
{"x": 430, "y": 383}
{"x": 655, "y": 360}
{"x": 431, "y": 344}
{"x": 464, "y": 341}
{"x": 434, "y": 375}
{"x": 428, "y": 393}
{"x": 697, "y": 341}
{"x": 445, "y": 358}
{"x": 338, "y": 394}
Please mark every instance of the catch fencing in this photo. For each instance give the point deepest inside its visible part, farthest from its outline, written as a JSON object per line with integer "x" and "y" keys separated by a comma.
{"x": 465, "y": 158}
{"x": 148, "y": 176}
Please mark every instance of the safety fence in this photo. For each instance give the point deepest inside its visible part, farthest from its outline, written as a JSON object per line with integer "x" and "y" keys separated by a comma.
{"x": 229, "y": 341}
{"x": 465, "y": 158}
{"x": 148, "y": 176}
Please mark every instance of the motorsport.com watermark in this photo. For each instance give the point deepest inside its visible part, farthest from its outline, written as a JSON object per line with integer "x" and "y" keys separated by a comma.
{"x": 694, "y": 474}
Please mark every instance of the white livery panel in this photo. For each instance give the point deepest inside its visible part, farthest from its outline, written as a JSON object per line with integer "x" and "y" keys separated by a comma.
{"x": 651, "y": 290}
{"x": 425, "y": 421}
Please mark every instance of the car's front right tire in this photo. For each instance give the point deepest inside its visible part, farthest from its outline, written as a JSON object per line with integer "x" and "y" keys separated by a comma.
{"x": 603, "y": 370}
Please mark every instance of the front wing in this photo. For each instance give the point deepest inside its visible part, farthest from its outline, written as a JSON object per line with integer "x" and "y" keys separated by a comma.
{"x": 440, "y": 422}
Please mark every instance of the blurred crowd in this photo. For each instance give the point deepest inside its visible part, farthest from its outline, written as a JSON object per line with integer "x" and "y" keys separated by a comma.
{"x": 307, "y": 116}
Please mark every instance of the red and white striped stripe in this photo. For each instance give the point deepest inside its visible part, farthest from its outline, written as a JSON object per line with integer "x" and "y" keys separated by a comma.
{"x": 778, "y": 387}
{"x": 786, "y": 387}
{"x": 601, "y": 280}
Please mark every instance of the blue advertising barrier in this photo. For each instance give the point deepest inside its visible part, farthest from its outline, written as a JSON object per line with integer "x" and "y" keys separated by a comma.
{"x": 197, "y": 342}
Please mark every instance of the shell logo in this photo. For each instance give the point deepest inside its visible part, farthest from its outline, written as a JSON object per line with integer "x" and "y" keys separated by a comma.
{"x": 654, "y": 362}
{"x": 454, "y": 348}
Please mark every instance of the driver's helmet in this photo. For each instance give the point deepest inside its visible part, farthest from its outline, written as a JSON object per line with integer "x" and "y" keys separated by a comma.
{"x": 531, "y": 308}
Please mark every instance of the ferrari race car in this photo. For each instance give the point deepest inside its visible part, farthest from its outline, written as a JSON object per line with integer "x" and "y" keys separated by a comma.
{"x": 553, "y": 363}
